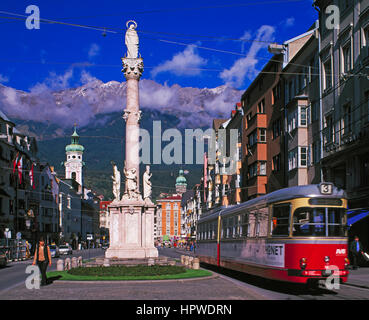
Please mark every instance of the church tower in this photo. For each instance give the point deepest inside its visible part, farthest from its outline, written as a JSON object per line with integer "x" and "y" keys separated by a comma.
{"x": 181, "y": 183}
{"x": 74, "y": 163}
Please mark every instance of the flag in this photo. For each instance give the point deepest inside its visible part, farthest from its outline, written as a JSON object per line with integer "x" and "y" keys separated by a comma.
{"x": 20, "y": 168}
{"x": 31, "y": 178}
{"x": 15, "y": 162}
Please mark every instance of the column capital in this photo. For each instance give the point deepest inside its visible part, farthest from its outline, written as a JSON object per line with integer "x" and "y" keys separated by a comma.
{"x": 132, "y": 68}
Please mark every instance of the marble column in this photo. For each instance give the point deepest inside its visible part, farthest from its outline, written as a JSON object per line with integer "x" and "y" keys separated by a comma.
{"x": 132, "y": 218}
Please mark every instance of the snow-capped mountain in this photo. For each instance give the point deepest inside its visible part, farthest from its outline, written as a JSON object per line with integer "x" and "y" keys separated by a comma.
{"x": 93, "y": 103}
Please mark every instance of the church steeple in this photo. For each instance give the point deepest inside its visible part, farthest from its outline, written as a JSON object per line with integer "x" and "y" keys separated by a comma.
{"x": 74, "y": 163}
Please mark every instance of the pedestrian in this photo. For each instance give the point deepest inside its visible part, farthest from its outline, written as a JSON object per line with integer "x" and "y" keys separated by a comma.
{"x": 356, "y": 250}
{"x": 42, "y": 258}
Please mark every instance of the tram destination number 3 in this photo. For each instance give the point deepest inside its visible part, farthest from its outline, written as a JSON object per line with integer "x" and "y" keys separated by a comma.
{"x": 326, "y": 188}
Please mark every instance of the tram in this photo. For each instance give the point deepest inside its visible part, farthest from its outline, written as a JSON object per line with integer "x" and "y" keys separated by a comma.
{"x": 295, "y": 234}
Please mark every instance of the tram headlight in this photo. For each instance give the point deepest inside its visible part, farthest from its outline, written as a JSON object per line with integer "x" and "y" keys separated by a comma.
{"x": 303, "y": 262}
{"x": 326, "y": 259}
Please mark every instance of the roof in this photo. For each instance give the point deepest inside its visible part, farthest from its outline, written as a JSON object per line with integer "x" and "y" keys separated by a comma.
{"x": 218, "y": 122}
{"x": 170, "y": 198}
{"x": 5, "y": 118}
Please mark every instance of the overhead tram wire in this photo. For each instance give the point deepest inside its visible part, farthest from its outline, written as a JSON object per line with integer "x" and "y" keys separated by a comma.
{"x": 121, "y": 31}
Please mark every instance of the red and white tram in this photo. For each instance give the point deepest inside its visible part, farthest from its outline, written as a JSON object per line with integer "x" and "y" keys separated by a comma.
{"x": 295, "y": 234}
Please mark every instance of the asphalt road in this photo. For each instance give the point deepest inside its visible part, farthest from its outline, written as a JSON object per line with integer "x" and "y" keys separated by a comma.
{"x": 224, "y": 285}
{"x": 15, "y": 274}
{"x": 277, "y": 290}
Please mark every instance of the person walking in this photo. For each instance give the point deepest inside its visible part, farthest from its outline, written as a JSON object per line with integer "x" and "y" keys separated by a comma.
{"x": 43, "y": 258}
{"x": 356, "y": 250}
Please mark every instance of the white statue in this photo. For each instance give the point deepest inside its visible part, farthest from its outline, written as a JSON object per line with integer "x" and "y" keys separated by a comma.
{"x": 131, "y": 182}
{"x": 147, "y": 183}
{"x": 131, "y": 40}
{"x": 116, "y": 182}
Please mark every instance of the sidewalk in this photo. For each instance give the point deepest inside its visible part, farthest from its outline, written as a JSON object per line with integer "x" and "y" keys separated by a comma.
{"x": 359, "y": 278}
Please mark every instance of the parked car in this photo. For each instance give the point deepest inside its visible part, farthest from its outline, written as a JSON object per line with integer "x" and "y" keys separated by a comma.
{"x": 54, "y": 251}
{"x": 3, "y": 257}
{"x": 65, "y": 249}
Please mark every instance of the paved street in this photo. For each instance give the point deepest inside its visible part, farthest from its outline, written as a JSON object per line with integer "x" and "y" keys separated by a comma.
{"x": 14, "y": 273}
{"x": 223, "y": 285}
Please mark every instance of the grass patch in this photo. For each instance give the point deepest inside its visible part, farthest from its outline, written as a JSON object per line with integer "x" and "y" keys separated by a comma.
{"x": 128, "y": 273}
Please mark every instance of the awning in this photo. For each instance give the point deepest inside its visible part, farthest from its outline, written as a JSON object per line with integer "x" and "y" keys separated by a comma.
{"x": 355, "y": 215}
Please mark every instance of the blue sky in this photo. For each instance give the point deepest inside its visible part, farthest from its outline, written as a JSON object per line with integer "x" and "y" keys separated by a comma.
{"x": 182, "y": 42}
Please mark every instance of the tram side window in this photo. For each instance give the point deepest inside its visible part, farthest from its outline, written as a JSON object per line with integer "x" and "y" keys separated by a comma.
{"x": 229, "y": 227}
{"x": 280, "y": 220}
{"x": 245, "y": 225}
{"x": 225, "y": 227}
{"x": 263, "y": 222}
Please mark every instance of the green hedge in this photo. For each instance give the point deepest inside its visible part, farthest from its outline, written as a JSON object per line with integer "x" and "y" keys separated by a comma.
{"x": 127, "y": 271}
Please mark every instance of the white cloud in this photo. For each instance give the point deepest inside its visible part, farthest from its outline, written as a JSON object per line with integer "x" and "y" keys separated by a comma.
{"x": 246, "y": 66}
{"x": 289, "y": 22}
{"x": 185, "y": 63}
{"x": 93, "y": 51}
{"x": 54, "y": 82}
{"x": 3, "y": 79}
{"x": 86, "y": 77}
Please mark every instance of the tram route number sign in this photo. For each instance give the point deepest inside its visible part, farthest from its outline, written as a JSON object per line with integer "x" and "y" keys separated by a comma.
{"x": 326, "y": 188}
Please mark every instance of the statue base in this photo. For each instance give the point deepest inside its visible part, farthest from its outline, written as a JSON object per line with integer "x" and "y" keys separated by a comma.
{"x": 131, "y": 230}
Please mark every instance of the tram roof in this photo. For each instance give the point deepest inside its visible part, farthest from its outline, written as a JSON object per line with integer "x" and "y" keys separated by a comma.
{"x": 310, "y": 191}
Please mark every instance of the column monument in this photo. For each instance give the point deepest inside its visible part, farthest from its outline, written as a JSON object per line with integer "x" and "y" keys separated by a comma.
{"x": 132, "y": 217}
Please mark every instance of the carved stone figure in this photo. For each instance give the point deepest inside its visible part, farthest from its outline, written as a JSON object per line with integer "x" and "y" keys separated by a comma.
{"x": 116, "y": 182}
{"x": 131, "y": 182}
{"x": 131, "y": 40}
{"x": 147, "y": 185}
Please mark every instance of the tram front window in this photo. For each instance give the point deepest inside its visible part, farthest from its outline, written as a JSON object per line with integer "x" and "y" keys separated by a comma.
{"x": 319, "y": 222}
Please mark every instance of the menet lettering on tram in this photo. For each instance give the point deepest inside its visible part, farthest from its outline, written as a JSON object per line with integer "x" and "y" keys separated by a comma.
{"x": 274, "y": 250}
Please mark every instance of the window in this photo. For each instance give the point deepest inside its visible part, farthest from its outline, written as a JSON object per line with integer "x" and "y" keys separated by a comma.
{"x": 248, "y": 118}
{"x": 261, "y": 106}
{"x": 262, "y": 133}
{"x": 303, "y": 156}
{"x": 253, "y": 170}
{"x": 244, "y": 231}
{"x": 327, "y": 70}
{"x": 292, "y": 120}
{"x": 366, "y": 40}
{"x": 276, "y": 163}
{"x": 276, "y": 126}
{"x": 329, "y": 222}
{"x": 262, "y": 168}
{"x": 346, "y": 58}
{"x": 346, "y": 119}
{"x": 276, "y": 95}
{"x": 252, "y": 138}
{"x": 292, "y": 159}
{"x": 280, "y": 220}
{"x": 303, "y": 115}
{"x": 328, "y": 136}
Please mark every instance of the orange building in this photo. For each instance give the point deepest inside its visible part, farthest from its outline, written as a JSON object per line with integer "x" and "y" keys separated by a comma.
{"x": 170, "y": 216}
